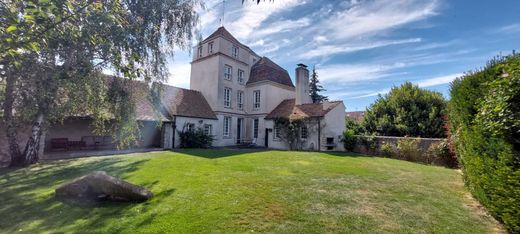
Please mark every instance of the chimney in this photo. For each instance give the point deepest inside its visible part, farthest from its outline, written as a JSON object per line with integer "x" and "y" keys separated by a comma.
{"x": 302, "y": 85}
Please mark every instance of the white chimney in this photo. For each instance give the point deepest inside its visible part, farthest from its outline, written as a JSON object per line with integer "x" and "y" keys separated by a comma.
{"x": 302, "y": 85}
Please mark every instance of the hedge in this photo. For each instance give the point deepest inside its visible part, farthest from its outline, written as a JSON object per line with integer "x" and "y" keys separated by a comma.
{"x": 484, "y": 124}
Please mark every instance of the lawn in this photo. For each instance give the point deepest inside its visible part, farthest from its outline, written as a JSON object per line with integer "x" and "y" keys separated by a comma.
{"x": 245, "y": 191}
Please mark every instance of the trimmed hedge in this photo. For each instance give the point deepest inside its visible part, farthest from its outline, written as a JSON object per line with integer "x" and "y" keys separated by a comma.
{"x": 483, "y": 115}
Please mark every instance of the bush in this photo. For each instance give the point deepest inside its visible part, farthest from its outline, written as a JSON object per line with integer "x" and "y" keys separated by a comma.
{"x": 484, "y": 120}
{"x": 408, "y": 149}
{"x": 349, "y": 140}
{"x": 387, "y": 150}
{"x": 407, "y": 110}
{"x": 439, "y": 154}
{"x": 195, "y": 139}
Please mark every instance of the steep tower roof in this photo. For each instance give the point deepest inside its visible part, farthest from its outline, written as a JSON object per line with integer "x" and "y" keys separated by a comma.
{"x": 267, "y": 70}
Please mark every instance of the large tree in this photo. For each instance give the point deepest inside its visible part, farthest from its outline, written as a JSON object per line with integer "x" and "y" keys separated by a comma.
{"x": 315, "y": 88}
{"x": 52, "y": 53}
{"x": 407, "y": 110}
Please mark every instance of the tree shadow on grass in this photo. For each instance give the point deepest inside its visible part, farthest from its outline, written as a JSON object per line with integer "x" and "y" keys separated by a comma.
{"x": 28, "y": 198}
{"x": 346, "y": 154}
{"x": 218, "y": 152}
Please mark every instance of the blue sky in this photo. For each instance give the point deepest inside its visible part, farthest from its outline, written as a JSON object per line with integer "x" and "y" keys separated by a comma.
{"x": 363, "y": 48}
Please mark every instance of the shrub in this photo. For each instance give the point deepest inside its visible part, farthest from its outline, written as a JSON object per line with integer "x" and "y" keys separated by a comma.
{"x": 349, "y": 140}
{"x": 408, "y": 149}
{"x": 387, "y": 149}
{"x": 195, "y": 139}
{"x": 407, "y": 110}
{"x": 439, "y": 154}
{"x": 483, "y": 116}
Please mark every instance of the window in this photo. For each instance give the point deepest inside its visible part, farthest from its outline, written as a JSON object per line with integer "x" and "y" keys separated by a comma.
{"x": 240, "y": 76}
{"x": 240, "y": 100}
{"x": 277, "y": 133}
{"x": 227, "y": 126}
{"x": 256, "y": 99}
{"x": 200, "y": 51}
{"x": 228, "y": 71}
{"x": 235, "y": 51}
{"x": 208, "y": 129}
{"x": 210, "y": 48}
{"x": 227, "y": 97}
{"x": 190, "y": 127}
{"x": 303, "y": 132}
{"x": 255, "y": 128}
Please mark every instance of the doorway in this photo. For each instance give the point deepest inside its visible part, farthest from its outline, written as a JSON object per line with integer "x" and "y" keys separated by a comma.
{"x": 239, "y": 130}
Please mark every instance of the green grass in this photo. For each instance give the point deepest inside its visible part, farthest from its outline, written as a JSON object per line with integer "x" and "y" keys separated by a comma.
{"x": 244, "y": 191}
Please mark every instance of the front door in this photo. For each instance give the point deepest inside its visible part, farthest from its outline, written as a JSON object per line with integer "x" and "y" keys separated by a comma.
{"x": 239, "y": 130}
{"x": 266, "y": 138}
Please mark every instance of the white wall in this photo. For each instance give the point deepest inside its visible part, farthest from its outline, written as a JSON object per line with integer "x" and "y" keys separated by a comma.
{"x": 334, "y": 127}
{"x": 199, "y": 123}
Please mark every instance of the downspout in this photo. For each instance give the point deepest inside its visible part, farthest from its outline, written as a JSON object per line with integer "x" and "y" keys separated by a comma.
{"x": 174, "y": 126}
{"x": 319, "y": 134}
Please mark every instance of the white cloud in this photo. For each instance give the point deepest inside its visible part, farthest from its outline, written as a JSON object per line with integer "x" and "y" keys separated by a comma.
{"x": 421, "y": 83}
{"x": 180, "y": 74}
{"x": 373, "y": 17}
{"x": 438, "y": 80}
{"x": 327, "y": 50}
{"x": 348, "y": 73}
{"x": 253, "y": 15}
{"x": 509, "y": 28}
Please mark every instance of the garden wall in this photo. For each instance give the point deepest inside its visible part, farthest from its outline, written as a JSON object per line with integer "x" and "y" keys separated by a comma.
{"x": 423, "y": 150}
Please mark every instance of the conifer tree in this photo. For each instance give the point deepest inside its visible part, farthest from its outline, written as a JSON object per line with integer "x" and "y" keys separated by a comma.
{"x": 315, "y": 88}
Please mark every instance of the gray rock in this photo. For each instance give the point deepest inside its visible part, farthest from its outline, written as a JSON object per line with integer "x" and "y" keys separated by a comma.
{"x": 100, "y": 186}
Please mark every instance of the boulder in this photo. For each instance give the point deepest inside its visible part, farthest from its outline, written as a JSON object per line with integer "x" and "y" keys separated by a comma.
{"x": 100, "y": 186}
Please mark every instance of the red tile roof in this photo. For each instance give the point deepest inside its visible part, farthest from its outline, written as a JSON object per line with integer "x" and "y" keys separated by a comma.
{"x": 267, "y": 70}
{"x": 288, "y": 109}
{"x": 185, "y": 102}
{"x": 356, "y": 115}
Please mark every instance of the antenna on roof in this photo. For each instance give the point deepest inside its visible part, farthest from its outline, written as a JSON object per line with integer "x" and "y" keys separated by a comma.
{"x": 223, "y": 13}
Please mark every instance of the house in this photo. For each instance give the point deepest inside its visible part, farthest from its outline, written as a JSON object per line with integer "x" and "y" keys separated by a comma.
{"x": 357, "y": 116}
{"x": 235, "y": 95}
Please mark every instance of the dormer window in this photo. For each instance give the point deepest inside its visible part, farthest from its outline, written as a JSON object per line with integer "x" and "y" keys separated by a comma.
{"x": 200, "y": 52}
{"x": 235, "y": 51}
{"x": 210, "y": 48}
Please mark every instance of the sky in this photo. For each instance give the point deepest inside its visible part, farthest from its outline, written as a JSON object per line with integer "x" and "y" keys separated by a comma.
{"x": 361, "y": 49}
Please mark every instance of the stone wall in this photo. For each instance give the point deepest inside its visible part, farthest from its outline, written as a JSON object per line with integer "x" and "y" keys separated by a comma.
{"x": 376, "y": 145}
{"x": 361, "y": 147}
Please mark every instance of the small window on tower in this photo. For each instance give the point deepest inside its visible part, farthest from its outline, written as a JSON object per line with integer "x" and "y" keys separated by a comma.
{"x": 235, "y": 51}
{"x": 200, "y": 52}
{"x": 210, "y": 48}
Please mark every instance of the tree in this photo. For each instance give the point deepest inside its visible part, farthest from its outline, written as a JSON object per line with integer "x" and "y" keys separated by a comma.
{"x": 407, "y": 111}
{"x": 356, "y": 127}
{"x": 315, "y": 88}
{"x": 52, "y": 54}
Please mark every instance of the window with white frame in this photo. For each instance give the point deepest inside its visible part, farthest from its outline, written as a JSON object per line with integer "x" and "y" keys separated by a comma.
{"x": 200, "y": 51}
{"x": 255, "y": 128}
{"x": 256, "y": 99}
{"x": 208, "y": 129}
{"x": 240, "y": 100}
{"x": 228, "y": 72}
{"x": 190, "y": 127}
{"x": 303, "y": 132}
{"x": 227, "y": 97}
{"x": 240, "y": 76}
{"x": 227, "y": 126}
{"x": 210, "y": 48}
{"x": 234, "y": 51}
{"x": 277, "y": 133}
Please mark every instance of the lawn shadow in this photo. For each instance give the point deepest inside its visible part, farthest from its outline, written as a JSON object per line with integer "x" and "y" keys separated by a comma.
{"x": 347, "y": 154}
{"x": 215, "y": 153}
{"x": 29, "y": 193}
